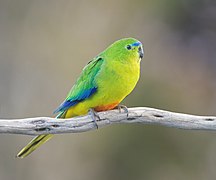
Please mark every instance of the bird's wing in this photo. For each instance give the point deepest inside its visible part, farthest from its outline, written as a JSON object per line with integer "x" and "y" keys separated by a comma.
{"x": 84, "y": 87}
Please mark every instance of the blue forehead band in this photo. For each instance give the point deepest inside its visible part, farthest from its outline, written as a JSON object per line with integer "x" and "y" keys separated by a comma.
{"x": 136, "y": 44}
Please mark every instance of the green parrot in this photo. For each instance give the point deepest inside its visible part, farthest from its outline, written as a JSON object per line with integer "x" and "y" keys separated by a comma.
{"x": 104, "y": 82}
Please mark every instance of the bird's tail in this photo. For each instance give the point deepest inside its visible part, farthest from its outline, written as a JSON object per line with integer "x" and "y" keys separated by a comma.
{"x": 34, "y": 144}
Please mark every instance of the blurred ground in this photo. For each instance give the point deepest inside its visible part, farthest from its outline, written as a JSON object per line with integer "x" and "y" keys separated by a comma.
{"x": 45, "y": 44}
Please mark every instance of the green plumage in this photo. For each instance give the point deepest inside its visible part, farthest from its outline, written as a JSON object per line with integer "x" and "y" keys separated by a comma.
{"x": 102, "y": 85}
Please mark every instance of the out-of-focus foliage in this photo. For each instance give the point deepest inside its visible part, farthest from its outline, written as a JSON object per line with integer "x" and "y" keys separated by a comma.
{"x": 45, "y": 44}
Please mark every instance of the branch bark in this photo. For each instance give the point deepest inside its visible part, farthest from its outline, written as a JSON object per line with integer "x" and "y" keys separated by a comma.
{"x": 143, "y": 115}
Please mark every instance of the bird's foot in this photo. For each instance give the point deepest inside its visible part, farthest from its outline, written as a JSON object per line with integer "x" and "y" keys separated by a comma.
{"x": 94, "y": 116}
{"x": 120, "y": 107}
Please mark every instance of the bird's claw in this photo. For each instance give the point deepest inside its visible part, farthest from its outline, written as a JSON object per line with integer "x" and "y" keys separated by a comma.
{"x": 94, "y": 115}
{"x": 120, "y": 107}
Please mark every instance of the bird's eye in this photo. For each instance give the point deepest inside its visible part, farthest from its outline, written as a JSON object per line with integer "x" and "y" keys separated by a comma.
{"x": 128, "y": 47}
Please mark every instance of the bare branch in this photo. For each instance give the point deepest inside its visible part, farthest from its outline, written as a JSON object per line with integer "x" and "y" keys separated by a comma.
{"x": 143, "y": 115}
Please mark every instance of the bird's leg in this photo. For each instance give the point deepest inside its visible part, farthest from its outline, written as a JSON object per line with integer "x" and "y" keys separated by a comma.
{"x": 94, "y": 115}
{"x": 120, "y": 107}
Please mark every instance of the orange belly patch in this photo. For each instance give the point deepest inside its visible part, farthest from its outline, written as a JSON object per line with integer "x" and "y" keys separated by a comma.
{"x": 106, "y": 107}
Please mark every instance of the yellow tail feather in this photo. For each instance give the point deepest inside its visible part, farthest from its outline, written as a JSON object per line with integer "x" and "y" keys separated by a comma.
{"x": 34, "y": 144}
{"x": 37, "y": 141}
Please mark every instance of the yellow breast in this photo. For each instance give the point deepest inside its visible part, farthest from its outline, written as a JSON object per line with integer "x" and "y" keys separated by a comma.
{"x": 115, "y": 81}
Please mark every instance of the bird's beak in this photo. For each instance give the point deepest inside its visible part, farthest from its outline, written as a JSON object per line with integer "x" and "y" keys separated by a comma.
{"x": 140, "y": 49}
{"x": 141, "y": 52}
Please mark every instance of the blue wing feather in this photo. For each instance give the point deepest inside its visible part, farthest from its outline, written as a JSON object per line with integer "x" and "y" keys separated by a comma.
{"x": 72, "y": 102}
{"x": 84, "y": 87}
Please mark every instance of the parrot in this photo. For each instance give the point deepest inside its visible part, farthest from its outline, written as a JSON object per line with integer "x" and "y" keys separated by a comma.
{"x": 103, "y": 83}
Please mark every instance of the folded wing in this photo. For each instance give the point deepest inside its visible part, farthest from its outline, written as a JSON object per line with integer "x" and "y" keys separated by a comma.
{"x": 84, "y": 87}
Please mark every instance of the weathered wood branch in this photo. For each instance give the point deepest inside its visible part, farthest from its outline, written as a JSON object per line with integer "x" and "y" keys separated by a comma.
{"x": 143, "y": 115}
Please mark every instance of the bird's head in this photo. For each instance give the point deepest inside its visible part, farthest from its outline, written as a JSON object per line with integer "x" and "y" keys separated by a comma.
{"x": 125, "y": 49}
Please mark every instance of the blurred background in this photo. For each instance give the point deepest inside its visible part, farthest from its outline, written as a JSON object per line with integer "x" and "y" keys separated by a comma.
{"x": 45, "y": 44}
